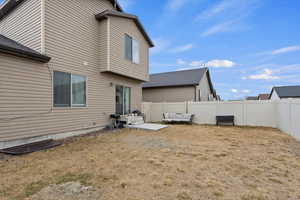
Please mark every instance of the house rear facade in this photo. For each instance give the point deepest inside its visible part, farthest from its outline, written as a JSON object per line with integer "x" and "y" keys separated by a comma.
{"x": 180, "y": 86}
{"x": 66, "y": 66}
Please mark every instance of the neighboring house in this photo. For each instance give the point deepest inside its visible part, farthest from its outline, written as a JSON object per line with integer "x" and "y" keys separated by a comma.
{"x": 179, "y": 86}
{"x": 252, "y": 98}
{"x": 285, "y": 92}
{"x": 67, "y": 65}
{"x": 263, "y": 97}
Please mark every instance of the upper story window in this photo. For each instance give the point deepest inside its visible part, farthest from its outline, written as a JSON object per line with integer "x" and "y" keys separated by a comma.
{"x": 132, "y": 49}
{"x": 69, "y": 90}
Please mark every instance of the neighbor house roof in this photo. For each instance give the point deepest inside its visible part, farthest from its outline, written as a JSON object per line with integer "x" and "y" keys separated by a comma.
{"x": 12, "y": 47}
{"x": 179, "y": 78}
{"x": 287, "y": 91}
{"x": 252, "y": 98}
{"x": 263, "y": 96}
{"x": 9, "y": 5}
{"x": 115, "y": 13}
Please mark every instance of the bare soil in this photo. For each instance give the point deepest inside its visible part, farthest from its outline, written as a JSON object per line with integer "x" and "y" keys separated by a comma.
{"x": 182, "y": 162}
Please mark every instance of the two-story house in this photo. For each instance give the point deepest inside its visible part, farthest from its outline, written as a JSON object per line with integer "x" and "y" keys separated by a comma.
{"x": 65, "y": 66}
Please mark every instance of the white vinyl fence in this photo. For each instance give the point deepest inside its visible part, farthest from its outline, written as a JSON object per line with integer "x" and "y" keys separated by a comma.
{"x": 284, "y": 114}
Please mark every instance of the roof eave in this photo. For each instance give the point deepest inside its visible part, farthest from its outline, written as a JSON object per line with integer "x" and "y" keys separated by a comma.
{"x": 169, "y": 86}
{"x": 107, "y": 13}
{"x": 24, "y": 54}
{"x": 8, "y": 7}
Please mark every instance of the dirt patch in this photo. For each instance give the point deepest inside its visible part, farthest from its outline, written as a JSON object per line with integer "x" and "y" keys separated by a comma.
{"x": 68, "y": 191}
{"x": 182, "y": 162}
{"x": 4, "y": 156}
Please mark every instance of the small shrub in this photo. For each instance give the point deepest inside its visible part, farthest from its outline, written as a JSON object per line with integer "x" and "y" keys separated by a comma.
{"x": 70, "y": 177}
{"x": 254, "y": 196}
{"x": 34, "y": 187}
{"x": 184, "y": 196}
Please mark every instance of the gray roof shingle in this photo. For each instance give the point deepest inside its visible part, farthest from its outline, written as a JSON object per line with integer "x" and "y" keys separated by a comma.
{"x": 287, "y": 91}
{"x": 177, "y": 78}
{"x": 12, "y": 47}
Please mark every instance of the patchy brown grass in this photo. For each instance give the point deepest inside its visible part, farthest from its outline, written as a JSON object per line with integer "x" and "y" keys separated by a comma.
{"x": 181, "y": 162}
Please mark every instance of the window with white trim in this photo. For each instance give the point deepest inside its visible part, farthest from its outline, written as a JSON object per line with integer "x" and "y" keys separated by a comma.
{"x": 132, "y": 49}
{"x": 69, "y": 90}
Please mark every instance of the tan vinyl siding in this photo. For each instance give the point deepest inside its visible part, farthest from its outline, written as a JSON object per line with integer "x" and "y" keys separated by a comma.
{"x": 205, "y": 93}
{"x": 24, "y": 24}
{"x": 74, "y": 44}
{"x": 26, "y": 101}
{"x": 169, "y": 94}
{"x": 103, "y": 44}
{"x": 118, "y": 64}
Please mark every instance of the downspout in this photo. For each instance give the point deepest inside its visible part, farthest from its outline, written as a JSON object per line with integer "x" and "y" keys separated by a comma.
{"x": 195, "y": 99}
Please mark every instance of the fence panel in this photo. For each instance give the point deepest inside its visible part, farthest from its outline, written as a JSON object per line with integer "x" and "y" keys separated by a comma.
{"x": 156, "y": 112}
{"x": 295, "y": 119}
{"x": 261, "y": 113}
{"x": 232, "y": 108}
{"x": 283, "y": 114}
{"x": 204, "y": 112}
{"x": 146, "y": 109}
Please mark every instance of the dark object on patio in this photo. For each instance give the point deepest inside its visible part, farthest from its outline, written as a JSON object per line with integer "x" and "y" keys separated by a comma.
{"x": 116, "y": 123}
{"x": 225, "y": 119}
{"x": 137, "y": 112}
{"x": 32, "y": 147}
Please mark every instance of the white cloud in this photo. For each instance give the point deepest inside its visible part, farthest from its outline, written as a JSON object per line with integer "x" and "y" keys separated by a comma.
{"x": 217, "y": 9}
{"x": 181, "y": 62}
{"x": 175, "y": 5}
{"x": 220, "y": 63}
{"x": 160, "y": 45}
{"x": 183, "y": 48}
{"x": 284, "y": 50}
{"x": 229, "y": 14}
{"x": 189, "y": 65}
{"x": 197, "y": 64}
{"x": 245, "y": 91}
{"x": 267, "y": 74}
{"x": 219, "y": 28}
{"x": 126, "y": 4}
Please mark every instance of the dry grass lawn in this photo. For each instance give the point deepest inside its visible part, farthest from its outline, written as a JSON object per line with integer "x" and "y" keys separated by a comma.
{"x": 181, "y": 162}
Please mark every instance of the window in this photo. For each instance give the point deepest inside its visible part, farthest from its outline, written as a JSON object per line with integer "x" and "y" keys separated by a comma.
{"x": 69, "y": 90}
{"x": 135, "y": 51}
{"x": 132, "y": 49}
{"x": 128, "y": 47}
{"x": 62, "y": 86}
{"x": 78, "y": 90}
{"x": 123, "y": 100}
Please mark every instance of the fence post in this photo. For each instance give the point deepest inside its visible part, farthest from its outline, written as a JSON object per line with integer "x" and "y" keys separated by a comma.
{"x": 186, "y": 107}
{"x": 290, "y": 117}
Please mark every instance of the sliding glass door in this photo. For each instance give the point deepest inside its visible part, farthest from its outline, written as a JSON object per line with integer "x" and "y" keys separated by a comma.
{"x": 123, "y": 100}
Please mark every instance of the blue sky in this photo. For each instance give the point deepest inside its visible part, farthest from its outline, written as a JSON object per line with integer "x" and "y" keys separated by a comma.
{"x": 248, "y": 45}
